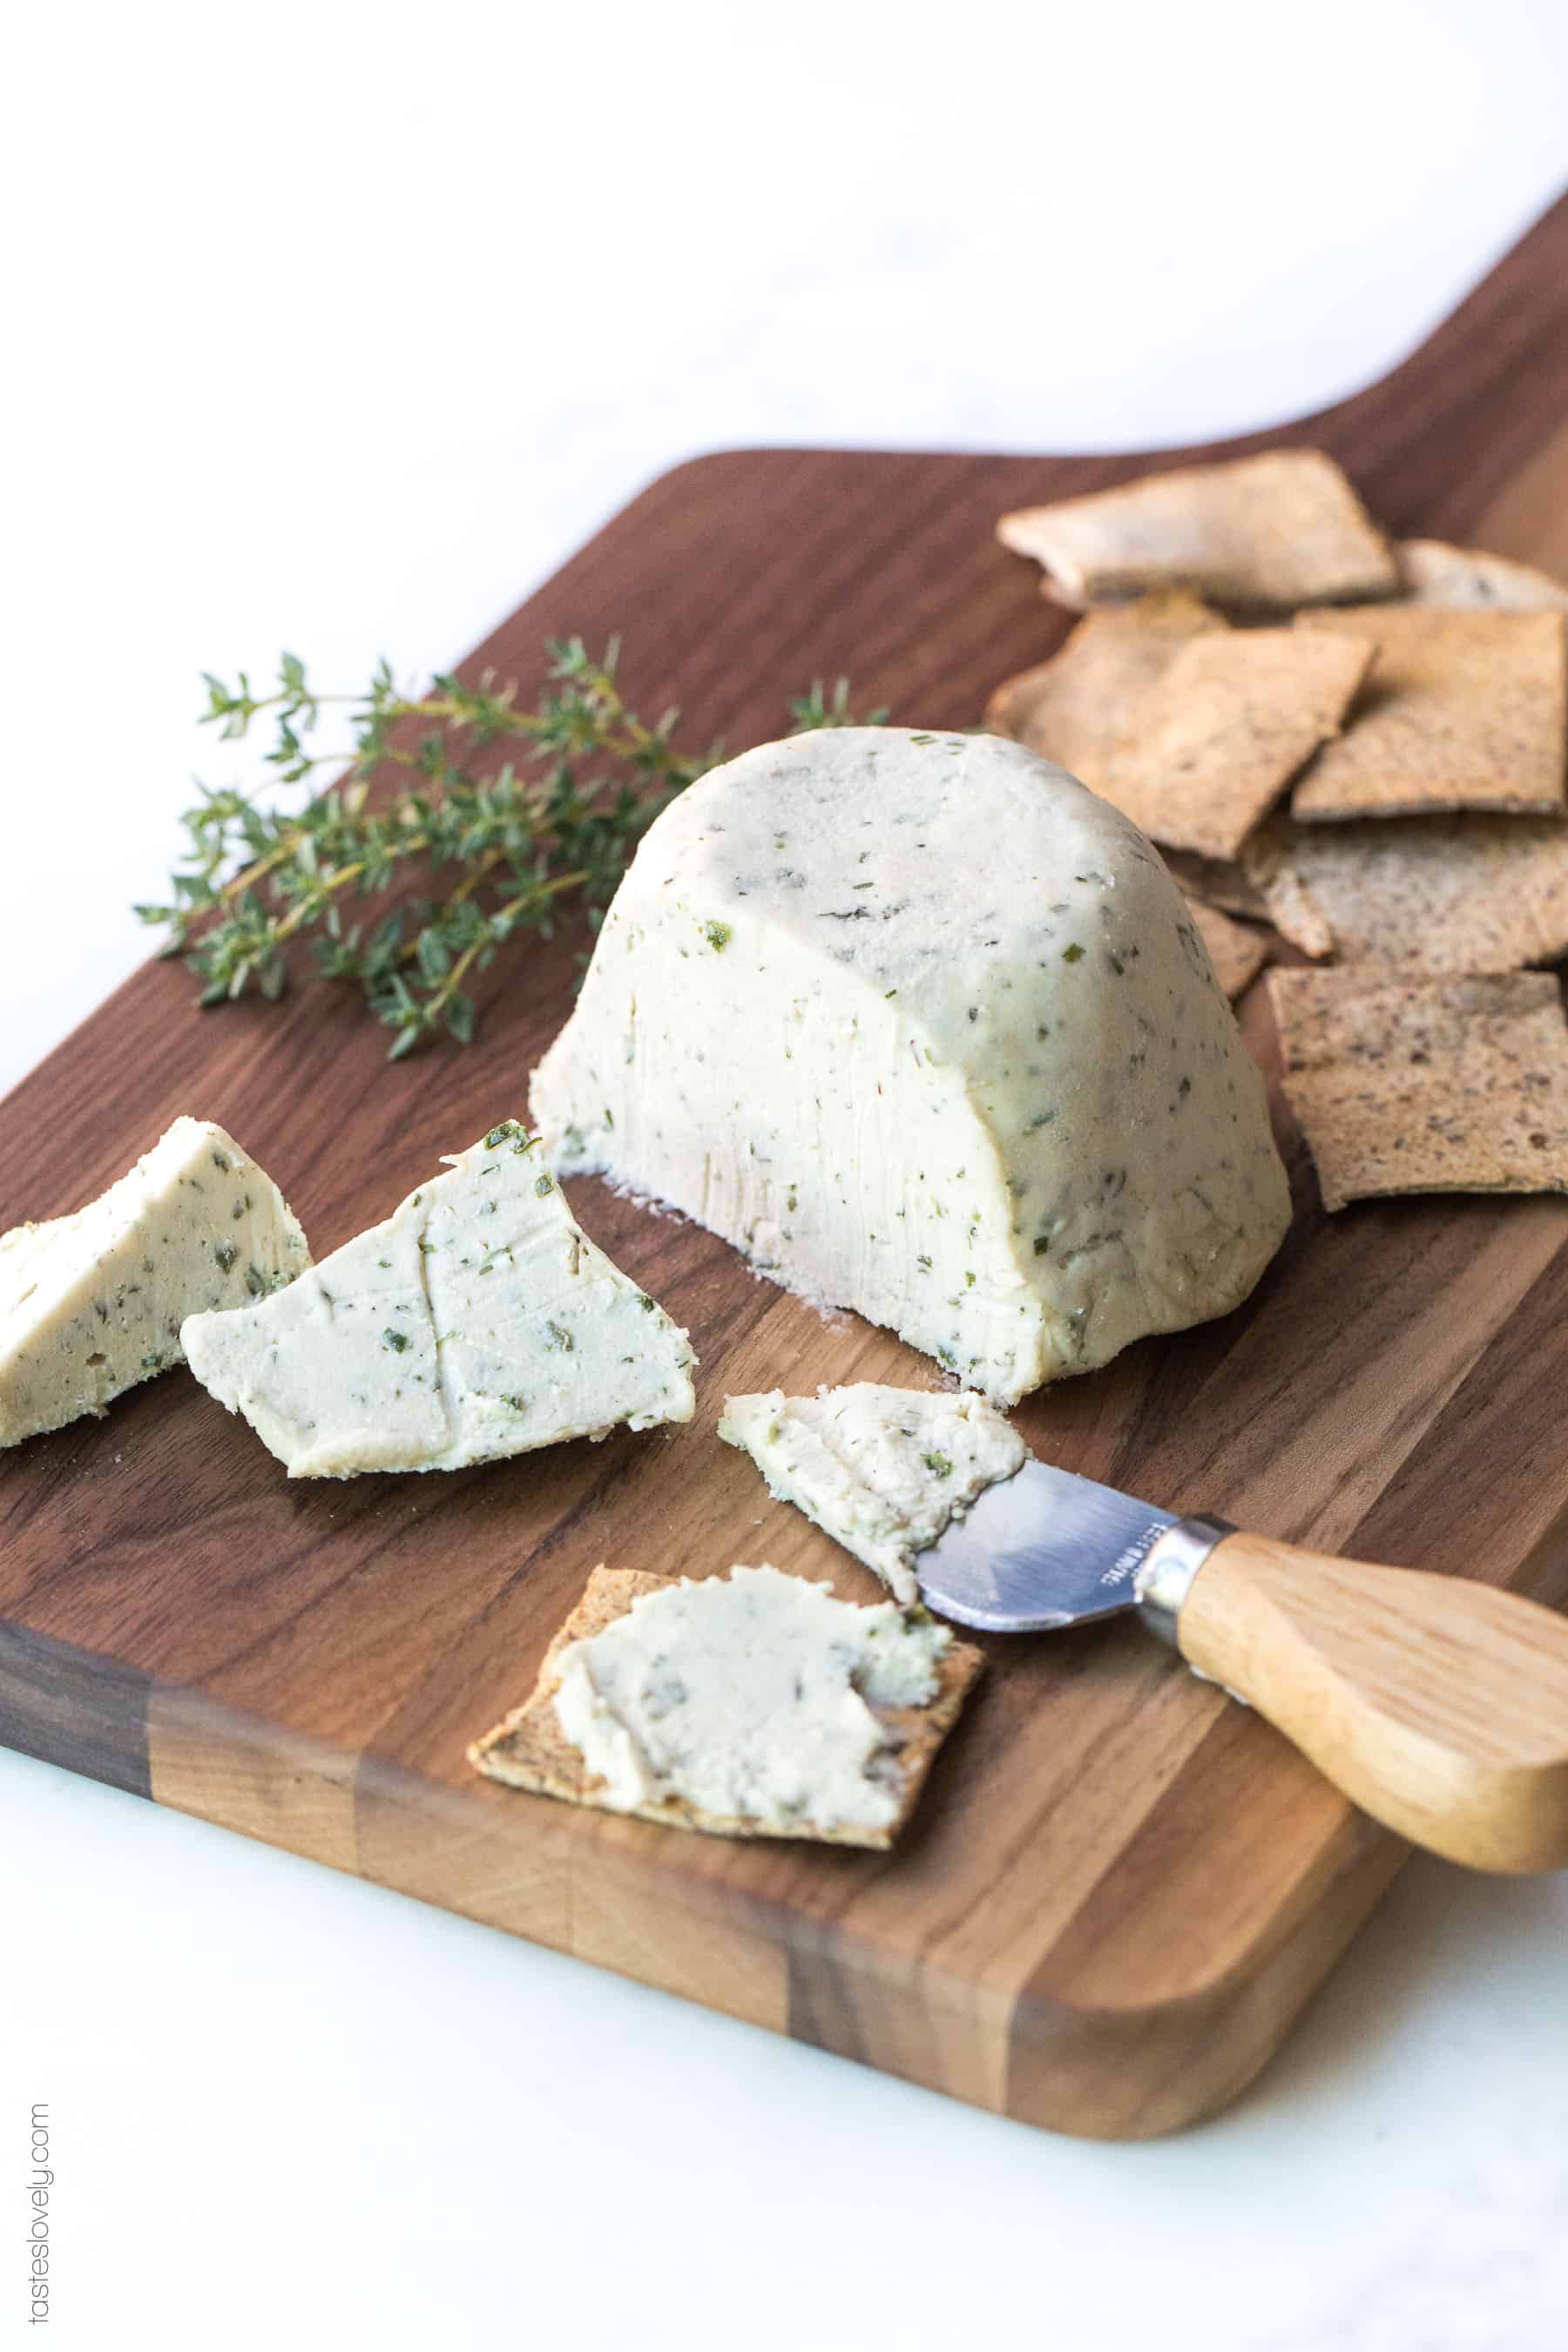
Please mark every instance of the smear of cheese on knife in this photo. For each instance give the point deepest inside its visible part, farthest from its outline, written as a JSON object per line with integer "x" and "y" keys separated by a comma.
{"x": 478, "y": 1322}
{"x": 881, "y": 1470}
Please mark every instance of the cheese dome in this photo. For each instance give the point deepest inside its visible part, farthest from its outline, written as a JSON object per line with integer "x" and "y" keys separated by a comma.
{"x": 925, "y": 1028}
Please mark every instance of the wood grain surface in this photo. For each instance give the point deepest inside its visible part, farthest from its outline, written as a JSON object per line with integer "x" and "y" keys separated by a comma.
{"x": 1120, "y": 1888}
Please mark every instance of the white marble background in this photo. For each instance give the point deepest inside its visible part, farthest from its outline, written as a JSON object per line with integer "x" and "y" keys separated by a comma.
{"x": 338, "y": 327}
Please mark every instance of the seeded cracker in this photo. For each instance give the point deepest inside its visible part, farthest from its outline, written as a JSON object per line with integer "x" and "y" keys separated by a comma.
{"x": 1218, "y": 882}
{"x": 1461, "y": 710}
{"x": 1214, "y": 742}
{"x": 1072, "y": 708}
{"x": 1255, "y": 533}
{"x": 1236, "y": 953}
{"x": 1466, "y": 579}
{"x": 1450, "y": 894}
{"x": 1429, "y": 1086}
{"x": 529, "y": 1749}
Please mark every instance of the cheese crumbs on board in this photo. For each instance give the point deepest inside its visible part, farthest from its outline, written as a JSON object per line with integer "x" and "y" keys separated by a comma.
{"x": 1428, "y": 1085}
{"x": 754, "y": 1705}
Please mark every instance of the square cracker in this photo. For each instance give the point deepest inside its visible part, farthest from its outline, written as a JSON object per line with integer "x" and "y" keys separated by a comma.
{"x": 1252, "y": 534}
{"x": 1216, "y": 739}
{"x": 1462, "y": 710}
{"x": 1236, "y": 953}
{"x": 528, "y": 1750}
{"x": 1072, "y": 708}
{"x": 1468, "y": 580}
{"x": 1218, "y": 882}
{"x": 1455, "y": 1085}
{"x": 1422, "y": 894}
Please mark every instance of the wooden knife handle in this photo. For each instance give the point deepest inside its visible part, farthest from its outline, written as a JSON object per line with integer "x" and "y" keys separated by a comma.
{"x": 1438, "y": 1705}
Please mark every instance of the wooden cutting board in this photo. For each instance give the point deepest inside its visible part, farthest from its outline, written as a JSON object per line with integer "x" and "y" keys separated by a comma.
{"x": 1121, "y": 1888}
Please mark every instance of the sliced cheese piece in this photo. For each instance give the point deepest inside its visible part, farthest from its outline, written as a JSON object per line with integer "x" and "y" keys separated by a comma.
{"x": 754, "y": 1705}
{"x": 927, "y": 1029}
{"x": 478, "y": 1322}
{"x": 1280, "y": 529}
{"x": 93, "y": 1303}
{"x": 881, "y": 1470}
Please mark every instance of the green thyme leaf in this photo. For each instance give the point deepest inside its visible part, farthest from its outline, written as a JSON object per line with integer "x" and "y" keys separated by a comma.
{"x": 482, "y": 817}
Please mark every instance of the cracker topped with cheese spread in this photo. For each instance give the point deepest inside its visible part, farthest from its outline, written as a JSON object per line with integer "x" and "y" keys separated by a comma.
{"x": 751, "y": 1705}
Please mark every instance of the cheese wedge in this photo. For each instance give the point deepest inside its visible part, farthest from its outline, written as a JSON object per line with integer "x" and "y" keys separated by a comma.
{"x": 478, "y": 1322}
{"x": 93, "y": 1303}
{"x": 881, "y": 1470}
{"x": 927, "y": 1030}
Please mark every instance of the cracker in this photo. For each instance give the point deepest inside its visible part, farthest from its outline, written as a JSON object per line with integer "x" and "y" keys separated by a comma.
{"x": 1467, "y": 580}
{"x": 1072, "y": 708}
{"x": 528, "y": 1750}
{"x": 1236, "y": 953}
{"x": 1216, "y": 739}
{"x": 1455, "y": 1084}
{"x": 1252, "y": 534}
{"x": 1217, "y": 882}
{"x": 1462, "y": 710}
{"x": 1422, "y": 894}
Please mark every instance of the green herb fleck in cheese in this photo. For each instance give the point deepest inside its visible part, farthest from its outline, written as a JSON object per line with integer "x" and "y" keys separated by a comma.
{"x": 750, "y": 1696}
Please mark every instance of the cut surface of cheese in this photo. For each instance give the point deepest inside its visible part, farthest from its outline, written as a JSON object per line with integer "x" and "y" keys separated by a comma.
{"x": 881, "y": 1470}
{"x": 93, "y": 1303}
{"x": 926, "y": 1029}
{"x": 478, "y": 1322}
{"x": 751, "y": 1696}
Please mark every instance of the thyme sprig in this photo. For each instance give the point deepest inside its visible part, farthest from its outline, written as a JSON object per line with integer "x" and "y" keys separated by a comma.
{"x": 515, "y": 844}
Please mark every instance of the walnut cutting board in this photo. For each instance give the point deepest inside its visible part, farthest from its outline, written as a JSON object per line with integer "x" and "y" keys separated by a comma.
{"x": 1121, "y": 1887}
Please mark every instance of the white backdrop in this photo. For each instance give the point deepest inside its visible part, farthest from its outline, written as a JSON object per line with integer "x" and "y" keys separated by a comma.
{"x": 337, "y": 328}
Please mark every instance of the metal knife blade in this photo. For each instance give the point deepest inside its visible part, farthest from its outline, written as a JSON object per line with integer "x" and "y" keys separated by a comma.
{"x": 1039, "y": 1551}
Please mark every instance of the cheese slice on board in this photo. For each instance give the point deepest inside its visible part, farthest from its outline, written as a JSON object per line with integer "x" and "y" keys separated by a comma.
{"x": 881, "y": 1470}
{"x": 927, "y": 1030}
{"x": 478, "y": 1322}
{"x": 93, "y": 1303}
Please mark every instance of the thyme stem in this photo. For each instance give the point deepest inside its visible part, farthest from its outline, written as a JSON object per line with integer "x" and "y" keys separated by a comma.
{"x": 256, "y": 880}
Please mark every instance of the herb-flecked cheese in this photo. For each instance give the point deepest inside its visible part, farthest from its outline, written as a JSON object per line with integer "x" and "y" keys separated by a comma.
{"x": 478, "y": 1322}
{"x": 93, "y": 1303}
{"x": 925, "y": 1028}
{"x": 881, "y": 1470}
{"x": 750, "y": 1696}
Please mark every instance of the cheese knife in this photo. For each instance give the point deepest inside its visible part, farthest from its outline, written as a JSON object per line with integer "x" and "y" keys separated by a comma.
{"x": 1437, "y": 1705}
